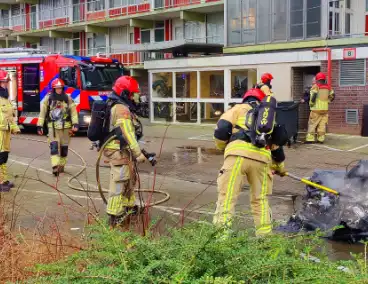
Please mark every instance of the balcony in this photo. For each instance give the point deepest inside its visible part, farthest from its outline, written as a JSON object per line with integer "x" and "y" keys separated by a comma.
{"x": 75, "y": 17}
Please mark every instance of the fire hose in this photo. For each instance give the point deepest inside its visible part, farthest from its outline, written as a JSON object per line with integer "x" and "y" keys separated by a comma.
{"x": 100, "y": 190}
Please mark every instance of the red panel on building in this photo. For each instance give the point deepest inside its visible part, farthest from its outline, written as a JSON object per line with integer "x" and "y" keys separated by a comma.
{"x": 132, "y": 9}
{"x": 168, "y": 30}
{"x": 115, "y": 12}
{"x": 366, "y": 25}
{"x": 28, "y": 18}
{"x": 61, "y": 21}
{"x": 145, "y": 7}
{"x": 137, "y": 35}
{"x": 95, "y": 15}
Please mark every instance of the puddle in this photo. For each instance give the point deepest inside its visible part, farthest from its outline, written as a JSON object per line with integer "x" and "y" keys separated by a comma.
{"x": 201, "y": 150}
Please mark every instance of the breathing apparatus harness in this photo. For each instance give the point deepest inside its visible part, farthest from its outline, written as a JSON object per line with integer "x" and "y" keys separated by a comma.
{"x": 53, "y": 99}
{"x": 261, "y": 129}
{"x": 100, "y": 135}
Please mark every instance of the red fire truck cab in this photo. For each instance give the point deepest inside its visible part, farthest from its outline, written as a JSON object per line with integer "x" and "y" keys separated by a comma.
{"x": 86, "y": 78}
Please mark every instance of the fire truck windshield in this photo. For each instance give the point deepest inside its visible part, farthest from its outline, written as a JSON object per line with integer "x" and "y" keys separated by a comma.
{"x": 100, "y": 77}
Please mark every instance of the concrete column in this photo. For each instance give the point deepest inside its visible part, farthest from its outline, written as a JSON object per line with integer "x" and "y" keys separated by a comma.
{"x": 227, "y": 88}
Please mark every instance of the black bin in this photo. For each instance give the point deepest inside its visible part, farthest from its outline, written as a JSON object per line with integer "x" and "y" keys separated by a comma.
{"x": 287, "y": 114}
{"x": 365, "y": 121}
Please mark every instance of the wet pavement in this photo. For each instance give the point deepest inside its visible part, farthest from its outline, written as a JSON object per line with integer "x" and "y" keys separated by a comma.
{"x": 187, "y": 171}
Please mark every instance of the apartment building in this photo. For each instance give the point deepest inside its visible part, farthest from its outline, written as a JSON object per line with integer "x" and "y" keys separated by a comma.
{"x": 292, "y": 39}
{"x": 130, "y": 30}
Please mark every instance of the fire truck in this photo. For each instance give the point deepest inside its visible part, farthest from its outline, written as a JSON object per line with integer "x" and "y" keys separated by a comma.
{"x": 87, "y": 79}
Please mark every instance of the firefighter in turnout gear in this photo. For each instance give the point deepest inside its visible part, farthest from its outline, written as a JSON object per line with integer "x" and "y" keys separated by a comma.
{"x": 236, "y": 135}
{"x": 123, "y": 152}
{"x": 265, "y": 84}
{"x": 8, "y": 126}
{"x": 321, "y": 95}
{"x": 59, "y": 112}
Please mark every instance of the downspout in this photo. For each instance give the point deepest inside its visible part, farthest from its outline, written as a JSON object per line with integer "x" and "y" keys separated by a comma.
{"x": 329, "y": 62}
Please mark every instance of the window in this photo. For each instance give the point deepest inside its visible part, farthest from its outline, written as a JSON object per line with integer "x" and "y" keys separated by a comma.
{"x": 162, "y": 85}
{"x": 159, "y": 31}
{"x": 249, "y": 21}
{"x": 352, "y": 72}
{"x": 95, "y": 5}
{"x": 145, "y": 36}
{"x": 334, "y": 26}
{"x": 212, "y": 84}
{"x": 296, "y": 19}
{"x": 4, "y": 18}
{"x": 348, "y": 4}
{"x": 347, "y": 23}
{"x": 280, "y": 20}
{"x": 264, "y": 20}
{"x": 234, "y": 22}
{"x": 186, "y": 85}
{"x": 366, "y": 5}
{"x": 69, "y": 76}
{"x": 131, "y": 38}
{"x": 192, "y": 31}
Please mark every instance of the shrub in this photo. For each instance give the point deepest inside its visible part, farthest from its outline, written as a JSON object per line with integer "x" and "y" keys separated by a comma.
{"x": 197, "y": 253}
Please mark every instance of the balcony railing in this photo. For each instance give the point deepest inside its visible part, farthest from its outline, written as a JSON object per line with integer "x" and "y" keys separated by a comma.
{"x": 89, "y": 11}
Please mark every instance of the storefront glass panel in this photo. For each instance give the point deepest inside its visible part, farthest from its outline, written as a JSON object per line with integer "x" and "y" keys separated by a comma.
{"x": 212, "y": 84}
{"x": 162, "y": 85}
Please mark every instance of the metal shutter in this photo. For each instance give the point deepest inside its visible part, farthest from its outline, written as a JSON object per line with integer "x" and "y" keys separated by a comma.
{"x": 352, "y": 72}
{"x": 351, "y": 116}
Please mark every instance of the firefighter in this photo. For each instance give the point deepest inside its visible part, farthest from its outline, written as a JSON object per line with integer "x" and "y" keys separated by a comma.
{"x": 321, "y": 95}
{"x": 265, "y": 84}
{"x": 123, "y": 152}
{"x": 8, "y": 126}
{"x": 59, "y": 112}
{"x": 243, "y": 158}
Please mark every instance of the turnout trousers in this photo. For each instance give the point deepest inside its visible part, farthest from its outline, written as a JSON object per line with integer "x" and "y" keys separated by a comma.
{"x": 122, "y": 182}
{"x": 317, "y": 122}
{"x": 4, "y": 154}
{"x": 59, "y": 140}
{"x": 230, "y": 182}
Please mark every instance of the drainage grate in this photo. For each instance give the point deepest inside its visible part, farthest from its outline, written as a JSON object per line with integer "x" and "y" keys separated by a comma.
{"x": 351, "y": 116}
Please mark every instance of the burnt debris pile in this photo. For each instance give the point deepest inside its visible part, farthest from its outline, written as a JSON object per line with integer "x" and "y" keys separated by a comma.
{"x": 341, "y": 218}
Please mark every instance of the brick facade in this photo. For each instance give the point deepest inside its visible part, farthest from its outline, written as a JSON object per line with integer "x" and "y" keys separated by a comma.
{"x": 346, "y": 98}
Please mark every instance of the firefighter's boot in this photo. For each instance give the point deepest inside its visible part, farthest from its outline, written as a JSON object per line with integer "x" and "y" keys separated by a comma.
{"x": 55, "y": 171}
{"x": 4, "y": 186}
{"x": 4, "y": 169}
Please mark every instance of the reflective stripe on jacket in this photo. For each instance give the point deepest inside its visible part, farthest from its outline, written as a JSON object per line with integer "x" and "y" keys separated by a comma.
{"x": 7, "y": 122}
{"x": 70, "y": 114}
{"x": 121, "y": 117}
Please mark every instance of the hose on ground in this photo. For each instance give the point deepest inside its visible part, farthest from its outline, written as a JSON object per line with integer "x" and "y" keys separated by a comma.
{"x": 84, "y": 167}
{"x": 166, "y": 194}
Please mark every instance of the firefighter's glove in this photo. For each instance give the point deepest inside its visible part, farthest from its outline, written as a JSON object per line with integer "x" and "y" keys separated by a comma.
{"x": 151, "y": 157}
{"x": 75, "y": 128}
{"x": 279, "y": 169}
{"x": 40, "y": 130}
{"x": 15, "y": 130}
{"x": 141, "y": 158}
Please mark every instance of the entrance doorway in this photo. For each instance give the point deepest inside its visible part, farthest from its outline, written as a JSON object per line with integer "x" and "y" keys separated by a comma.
{"x": 302, "y": 78}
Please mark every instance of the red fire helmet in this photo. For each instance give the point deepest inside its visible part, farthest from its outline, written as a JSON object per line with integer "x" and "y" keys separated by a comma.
{"x": 125, "y": 83}
{"x": 321, "y": 76}
{"x": 57, "y": 83}
{"x": 266, "y": 77}
{"x": 255, "y": 93}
